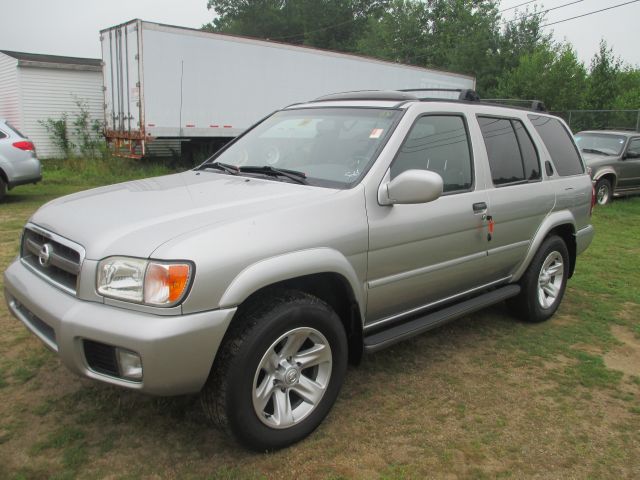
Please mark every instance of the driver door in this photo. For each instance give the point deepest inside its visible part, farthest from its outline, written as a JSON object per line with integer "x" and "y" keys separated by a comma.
{"x": 423, "y": 253}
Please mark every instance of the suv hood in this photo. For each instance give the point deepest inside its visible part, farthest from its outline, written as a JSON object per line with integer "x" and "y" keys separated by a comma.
{"x": 135, "y": 218}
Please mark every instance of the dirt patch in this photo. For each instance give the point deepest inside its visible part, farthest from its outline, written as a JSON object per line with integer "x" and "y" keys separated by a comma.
{"x": 625, "y": 358}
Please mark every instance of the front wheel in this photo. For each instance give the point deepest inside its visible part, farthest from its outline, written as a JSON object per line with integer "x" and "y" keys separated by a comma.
{"x": 278, "y": 371}
{"x": 544, "y": 282}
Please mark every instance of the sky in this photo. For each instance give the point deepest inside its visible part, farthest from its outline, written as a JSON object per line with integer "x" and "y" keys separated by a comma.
{"x": 71, "y": 27}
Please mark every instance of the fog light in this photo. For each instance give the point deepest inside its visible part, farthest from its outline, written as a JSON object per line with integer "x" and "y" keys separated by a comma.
{"x": 130, "y": 364}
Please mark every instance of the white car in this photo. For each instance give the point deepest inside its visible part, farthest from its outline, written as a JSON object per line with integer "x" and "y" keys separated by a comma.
{"x": 18, "y": 162}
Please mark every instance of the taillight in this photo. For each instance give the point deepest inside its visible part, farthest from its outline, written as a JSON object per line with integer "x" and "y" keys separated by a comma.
{"x": 593, "y": 198}
{"x": 25, "y": 145}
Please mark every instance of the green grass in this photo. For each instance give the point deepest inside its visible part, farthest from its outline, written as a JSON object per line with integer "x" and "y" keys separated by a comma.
{"x": 484, "y": 397}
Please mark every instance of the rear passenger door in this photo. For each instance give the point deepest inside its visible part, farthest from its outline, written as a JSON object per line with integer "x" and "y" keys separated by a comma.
{"x": 518, "y": 199}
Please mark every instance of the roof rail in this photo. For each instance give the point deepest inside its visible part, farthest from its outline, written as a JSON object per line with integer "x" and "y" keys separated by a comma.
{"x": 394, "y": 95}
{"x": 535, "y": 105}
{"x": 463, "y": 93}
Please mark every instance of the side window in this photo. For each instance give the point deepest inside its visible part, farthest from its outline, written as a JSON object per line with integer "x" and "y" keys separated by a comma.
{"x": 438, "y": 143}
{"x": 634, "y": 148}
{"x": 2, "y": 135}
{"x": 530, "y": 159}
{"x": 512, "y": 156}
{"x": 559, "y": 144}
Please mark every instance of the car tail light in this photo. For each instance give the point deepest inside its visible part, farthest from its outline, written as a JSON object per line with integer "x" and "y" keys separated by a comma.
{"x": 593, "y": 199}
{"x": 25, "y": 145}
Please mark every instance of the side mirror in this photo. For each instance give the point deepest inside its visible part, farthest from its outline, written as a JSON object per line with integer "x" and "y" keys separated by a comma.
{"x": 410, "y": 187}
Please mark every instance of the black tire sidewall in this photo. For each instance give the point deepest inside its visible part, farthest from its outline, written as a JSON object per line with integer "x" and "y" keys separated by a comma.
{"x": 241, "y": 416}
{"x": 536, "y": 312}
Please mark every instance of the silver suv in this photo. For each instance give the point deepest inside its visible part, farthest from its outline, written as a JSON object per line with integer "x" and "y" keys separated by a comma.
{"x": 614, "y": 159}
{"x": 18, "y": 162}
{"x": 329, "y": 229}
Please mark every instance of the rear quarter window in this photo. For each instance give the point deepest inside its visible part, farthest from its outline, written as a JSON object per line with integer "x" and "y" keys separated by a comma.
{"x": 559, "y": 144}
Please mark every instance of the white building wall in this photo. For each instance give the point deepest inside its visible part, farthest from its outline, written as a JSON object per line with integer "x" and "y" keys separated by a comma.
{"x": 49, "y": 93}
{"x": 9, "y": 91}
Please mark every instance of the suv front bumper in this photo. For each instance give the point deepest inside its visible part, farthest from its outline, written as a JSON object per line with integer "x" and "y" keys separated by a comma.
{"x": 177, "y": 351}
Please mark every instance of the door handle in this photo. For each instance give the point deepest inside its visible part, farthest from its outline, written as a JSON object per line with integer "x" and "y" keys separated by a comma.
{"x": 479, "y": 207}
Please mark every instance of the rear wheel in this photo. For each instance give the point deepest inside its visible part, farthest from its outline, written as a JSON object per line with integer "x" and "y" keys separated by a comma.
{"x": 3, "y": 188}
{"x": 604, "y": 191}
{"x": 278, "y": 371}
{"x": 544, "y": 282}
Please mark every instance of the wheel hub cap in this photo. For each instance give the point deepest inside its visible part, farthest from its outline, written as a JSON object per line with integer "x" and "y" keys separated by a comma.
{"x": 550, "y": 280}
{"x": 292, "y": 377}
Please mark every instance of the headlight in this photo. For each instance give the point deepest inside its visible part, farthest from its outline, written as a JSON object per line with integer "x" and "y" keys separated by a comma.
{"x": 143, "y": 281}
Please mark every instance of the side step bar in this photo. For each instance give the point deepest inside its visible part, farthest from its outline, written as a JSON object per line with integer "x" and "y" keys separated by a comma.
{"x": 385, "y": 338}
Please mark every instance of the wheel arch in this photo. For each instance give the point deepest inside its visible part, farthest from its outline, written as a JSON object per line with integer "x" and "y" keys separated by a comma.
{"x": 608, "y": 174}
{"x": 558, "y": 223}
{"x": 324, "y": 273}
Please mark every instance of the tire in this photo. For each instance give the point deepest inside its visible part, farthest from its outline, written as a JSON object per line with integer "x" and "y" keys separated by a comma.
{"x": 544, "y": 282}
{"x": 604, "y": 191}
{"x": 3, "y": 188}
{"x": 257, "y": 387}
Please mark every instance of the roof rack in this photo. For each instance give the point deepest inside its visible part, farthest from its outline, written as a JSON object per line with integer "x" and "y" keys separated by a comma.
{"x": 463, "y": 93}
{"x": 535, "y": 105}
{"x": 394, "y": 95}
{"x": 410, "y": 94}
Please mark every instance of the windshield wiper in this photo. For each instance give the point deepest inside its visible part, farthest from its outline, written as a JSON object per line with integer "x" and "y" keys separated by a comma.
{"x": 595, "y": 150}
{"x": 232, "y": 169}
{"x": 296, "y": 176}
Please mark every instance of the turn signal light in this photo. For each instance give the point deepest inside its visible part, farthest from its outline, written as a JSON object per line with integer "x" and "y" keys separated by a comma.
{"x": 166, "y": 283}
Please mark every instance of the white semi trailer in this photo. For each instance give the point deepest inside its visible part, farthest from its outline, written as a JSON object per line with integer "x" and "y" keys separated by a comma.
{"x": 201, "y": 88}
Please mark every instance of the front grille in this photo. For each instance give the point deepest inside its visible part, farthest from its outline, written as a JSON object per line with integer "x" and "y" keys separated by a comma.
{"x": 52, "y": 257}
{"x": 101, "y": 358}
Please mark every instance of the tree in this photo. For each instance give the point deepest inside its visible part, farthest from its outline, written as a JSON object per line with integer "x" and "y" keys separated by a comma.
{"x": 550, "y": 73}
{"x": 603, "y": 86}
{"x": 331, "y": 24}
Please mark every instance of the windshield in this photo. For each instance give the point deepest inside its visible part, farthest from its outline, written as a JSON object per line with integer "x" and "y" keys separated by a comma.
{"x": 603, "y": 143}
{"x": 333, "y": 147}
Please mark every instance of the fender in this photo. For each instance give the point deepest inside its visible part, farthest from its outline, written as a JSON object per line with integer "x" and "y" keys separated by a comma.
{"x": 606, "y": 171}
{"x": 291, "y": 265}
{"x": 553, "y": 220}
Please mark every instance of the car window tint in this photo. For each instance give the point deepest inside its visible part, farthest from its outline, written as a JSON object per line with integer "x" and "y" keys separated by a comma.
{"x": 505, "y": 161}
{"x": 530, "y": 159}
{"x": 438, "y": 143}
{"x": 634, "y": 146}
{"x": 559, "y": 144}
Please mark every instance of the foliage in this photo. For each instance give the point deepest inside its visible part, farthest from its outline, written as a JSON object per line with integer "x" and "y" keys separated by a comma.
{"x": 603, "y": 87}
{"x": 509, "y": 58}
{"x": 77, "y": 133}
{"x": 553, "y": 74}
{"x": 59, "y": 133}
{"x": 87, "y": 131}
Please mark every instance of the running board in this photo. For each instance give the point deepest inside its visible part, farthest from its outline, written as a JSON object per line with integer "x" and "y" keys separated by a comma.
{"x": 385, "y": 338}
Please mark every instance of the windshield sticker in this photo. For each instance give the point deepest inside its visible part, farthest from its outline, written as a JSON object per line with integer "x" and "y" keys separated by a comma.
{"x": 376, "y": 133}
